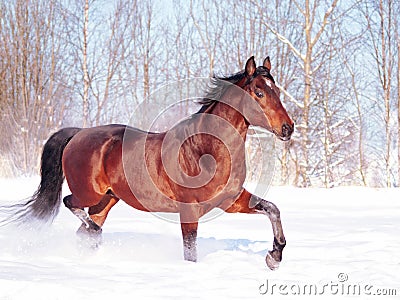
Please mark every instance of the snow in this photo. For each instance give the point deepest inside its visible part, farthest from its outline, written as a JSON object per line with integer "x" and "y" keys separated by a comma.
{"x": 333, "y": 235}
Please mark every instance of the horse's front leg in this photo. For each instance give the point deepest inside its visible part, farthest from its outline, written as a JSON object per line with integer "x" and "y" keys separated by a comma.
{"x": 251, "y": 204}
{"x": 274, "y": 257}
{"x": 189, "y": 234}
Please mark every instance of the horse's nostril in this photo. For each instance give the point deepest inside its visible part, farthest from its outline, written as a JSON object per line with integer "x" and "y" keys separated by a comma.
{"x": 287, "y": 130}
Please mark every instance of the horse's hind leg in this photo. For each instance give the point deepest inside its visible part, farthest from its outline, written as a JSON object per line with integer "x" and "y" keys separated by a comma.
{"x": 88, "y": 228}
{"x": 82, "y": 215}
{"x": 99, "y": 212}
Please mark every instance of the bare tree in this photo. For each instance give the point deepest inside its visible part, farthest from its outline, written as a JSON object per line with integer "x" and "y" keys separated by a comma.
{"x": 358, "y": 122}
{"x": 397, "y": 34}
{"x": 86, "y": 81}
{"x": 109, "y": 78}
{"x": 314, "y": 26}
{"x": 107, "y": 59}
{"x": 380, "y": 19}
{"x": 33, "y": 95}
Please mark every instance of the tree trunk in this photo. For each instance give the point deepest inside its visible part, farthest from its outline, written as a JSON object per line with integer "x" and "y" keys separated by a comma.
{"x": 85, "y": 67}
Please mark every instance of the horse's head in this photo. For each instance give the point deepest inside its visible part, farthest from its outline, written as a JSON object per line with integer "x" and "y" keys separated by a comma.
{"x": 260, "y": 85}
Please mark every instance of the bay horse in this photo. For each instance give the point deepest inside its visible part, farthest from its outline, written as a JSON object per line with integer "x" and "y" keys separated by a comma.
{"x": 196, "y": 166}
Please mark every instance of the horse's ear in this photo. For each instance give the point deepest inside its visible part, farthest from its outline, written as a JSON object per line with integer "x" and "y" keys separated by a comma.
{"x": 250, "y": 66}
{"x": 267, "y": 63}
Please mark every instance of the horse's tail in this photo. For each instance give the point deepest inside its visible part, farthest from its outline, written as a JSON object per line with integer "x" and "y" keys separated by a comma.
{"x": 45, "y": 202}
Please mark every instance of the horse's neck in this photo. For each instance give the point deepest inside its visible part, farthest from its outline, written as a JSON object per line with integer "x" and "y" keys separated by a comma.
{"x": 231, "y": 115}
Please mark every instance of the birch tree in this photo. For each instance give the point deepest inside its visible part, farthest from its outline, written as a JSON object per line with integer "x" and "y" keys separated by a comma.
{"x": 33, "y": 96}
{"x": 314, "y": 24}
{"x": 397, "y": 34}
{"x": 86, "y": 80}
{"x": 380, "y": 20}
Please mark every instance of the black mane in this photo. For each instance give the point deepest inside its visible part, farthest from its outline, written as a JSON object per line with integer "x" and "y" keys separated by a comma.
{"x": 218, "y": 85}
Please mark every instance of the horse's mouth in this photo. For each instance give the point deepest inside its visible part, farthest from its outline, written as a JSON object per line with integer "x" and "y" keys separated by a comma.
{"x": 283, "y": 138}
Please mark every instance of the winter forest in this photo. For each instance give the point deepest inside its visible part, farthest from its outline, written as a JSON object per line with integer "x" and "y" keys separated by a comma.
{"x": 85, "y": 63}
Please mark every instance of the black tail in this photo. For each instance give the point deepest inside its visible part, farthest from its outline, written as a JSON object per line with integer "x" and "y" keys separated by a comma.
{"x": 45, "y": 202}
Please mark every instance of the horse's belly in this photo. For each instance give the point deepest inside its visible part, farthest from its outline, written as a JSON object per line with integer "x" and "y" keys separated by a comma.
{"x": 131, "y": 180}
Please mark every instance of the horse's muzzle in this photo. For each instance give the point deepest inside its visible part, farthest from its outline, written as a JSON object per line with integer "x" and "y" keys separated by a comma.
{"x": 287, "y": 131}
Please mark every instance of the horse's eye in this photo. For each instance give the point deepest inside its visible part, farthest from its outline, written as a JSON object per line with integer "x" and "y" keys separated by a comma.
{"x": 259, "y": 94}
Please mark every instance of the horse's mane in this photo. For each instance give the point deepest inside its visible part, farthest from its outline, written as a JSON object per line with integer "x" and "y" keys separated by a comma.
{"x": 218, "y": 85}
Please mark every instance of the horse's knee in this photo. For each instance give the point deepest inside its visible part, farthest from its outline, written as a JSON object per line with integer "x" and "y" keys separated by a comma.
{"x": 268, "y": 208}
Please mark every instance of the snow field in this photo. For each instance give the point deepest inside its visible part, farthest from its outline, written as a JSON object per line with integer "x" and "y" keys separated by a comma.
{"x": 331, "y": 235}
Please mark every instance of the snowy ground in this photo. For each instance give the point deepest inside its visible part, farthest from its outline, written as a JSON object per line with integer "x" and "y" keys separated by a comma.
{"x": 338, "y": 238}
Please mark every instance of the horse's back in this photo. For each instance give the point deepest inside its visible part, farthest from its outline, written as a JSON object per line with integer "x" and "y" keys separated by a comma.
{"x": 92, "y": 141}
{"x": 93, "y": 164}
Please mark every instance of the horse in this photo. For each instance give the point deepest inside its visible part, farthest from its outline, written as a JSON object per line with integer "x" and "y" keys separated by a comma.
{"x": 190, "y": 169}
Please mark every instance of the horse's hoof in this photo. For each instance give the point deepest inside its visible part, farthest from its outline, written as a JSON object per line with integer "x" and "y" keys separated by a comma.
{"x": 89, "y": 231}
{"x": 271, "y": 262}
{"x": 91, "y": 237}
